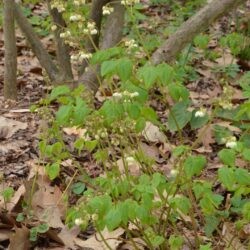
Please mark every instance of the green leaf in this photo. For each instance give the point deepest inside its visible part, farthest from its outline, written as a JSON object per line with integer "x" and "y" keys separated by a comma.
{"x": 58, "y": 91}
{"x": 246, "y": 211}
{"x": 193, "y": 165}
{"x": 140, "y": 124}
{"x": 205, "y": 247}
{"x": 20, "y": 217}
{"x": 198, "y": 122}
{"x": 148, "y": 74}
{"x": 201, "y": 41}
{"x": 165, "y": 73}
{"x": 7, "y": 193}
{"x": 133, "y": 110}
{"x": 242, "y": 176}
{"x": 227, "y": 156}
{"x": 175, "y": 242}
{"x": 179, "y": 150}
{"x": 52, "y": 170}
{"x": 113, "y": 218}
{"x": 227, "y": 177}
{"x": 33, "y": 234}
{"x": 42, "y": 228}
{"x": 211, "y": 224}
{"x": 177, "y": 91}
{"x": 179, "y": 116}
{"x": 108, "y": 67}
{"x": 246, "y": 154}
{"x": 157, "y": 240}
{"x": 149, "y": 114}
{"x": 56, "y": 148}
{"x": 78, "y": 188}
{"x": 80, "y": 112}
{"x": 124, "y": 68}
{"x": 104, "y": 55}
{"x": 63, "y": 114}
{"x": 79, "y": 144}
{"x": 91, "y": 145}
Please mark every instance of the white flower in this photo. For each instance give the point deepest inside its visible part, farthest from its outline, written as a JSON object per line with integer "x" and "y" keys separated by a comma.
{"x": 117, "y": 95}
{"x": 93, "y": 31}
{"x": 131, "y": 44}
{"x": 107, "y": 10}
{"x": 200, "y": 113}
{"x": 78, "y": 222}
{"x": 173, "y": 173}
{"x": 130, "y": 160}
{"x": 134, "y": 94}
{"x": 75, "y": 18}
{"x": 53, "y": 27}
{"x": 83, "y": 56}
{"x": 74, "y": 58}
{"x": 65, "y": 34}
{"x": 90, "y": 25}
{"x": 231, "y": 142}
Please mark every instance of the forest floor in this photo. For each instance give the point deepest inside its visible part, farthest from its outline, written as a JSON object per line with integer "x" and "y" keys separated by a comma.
{"x": 20, "y": 133}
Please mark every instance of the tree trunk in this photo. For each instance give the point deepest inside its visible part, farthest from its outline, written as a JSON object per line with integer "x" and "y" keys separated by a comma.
{"x": 36, "y": 45}
{"x": 96, "y": 17}
{"x": 10, "y": 51}
{"x": 193, "y": 26}
{"x": 62, "y": 50}
{"x": 112, "y": 34}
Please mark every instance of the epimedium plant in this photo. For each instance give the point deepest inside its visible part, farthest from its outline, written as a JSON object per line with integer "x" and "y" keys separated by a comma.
{"x": 147, "y": 204}
{"x": 150, "y": 202}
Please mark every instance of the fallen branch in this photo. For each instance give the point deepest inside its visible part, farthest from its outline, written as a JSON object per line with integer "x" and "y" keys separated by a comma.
{"x": 193, "y": 26}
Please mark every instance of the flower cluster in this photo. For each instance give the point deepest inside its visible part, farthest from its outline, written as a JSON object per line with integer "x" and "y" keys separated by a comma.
{"x": 106, "y": 10}
{"x": 231, "y": 142}
{"x": 120, "y": 95}
{"x": 130, "y": 160}
{"x": 200, "y": 113}
{"x": 58, "y": 5}
{"x": 101, "y": 133}
{"x": 78, "y": 2}
{"x": 225, "y": 101}
{"x": 129, "y": 2}
{"x": 91, "y": 29}
{"x": 80, "y": 57}
{"x": 53, "y": 27}
{"x": 65, "y": 34}
{"x": 131, "y": 44}
{"x": 75, "y": 18}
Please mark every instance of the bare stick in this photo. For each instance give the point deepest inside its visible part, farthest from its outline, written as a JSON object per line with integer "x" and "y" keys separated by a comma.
{"x": 36, "y": 45}
{"x": 193, "y": 26}
{"x": 62, "y": 50}
{"x": 10, "y": 51}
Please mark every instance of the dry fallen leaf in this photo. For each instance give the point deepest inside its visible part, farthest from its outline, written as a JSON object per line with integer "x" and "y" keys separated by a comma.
{"x": 96, "y": 243}
{"x": 134, "y": 168}
{"x": 20, "y": 239}
{"x": 231, "y": 238}
{"x": 9, "y": 127}
{"x": 152, "y": 133}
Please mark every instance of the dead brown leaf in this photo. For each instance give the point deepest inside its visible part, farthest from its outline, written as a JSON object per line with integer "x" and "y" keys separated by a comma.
{"x": 20, "y": 239}
{"x": 9, "y": 127}
{"x": 152, "y": 133}
{"x": 95, "y": 242}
